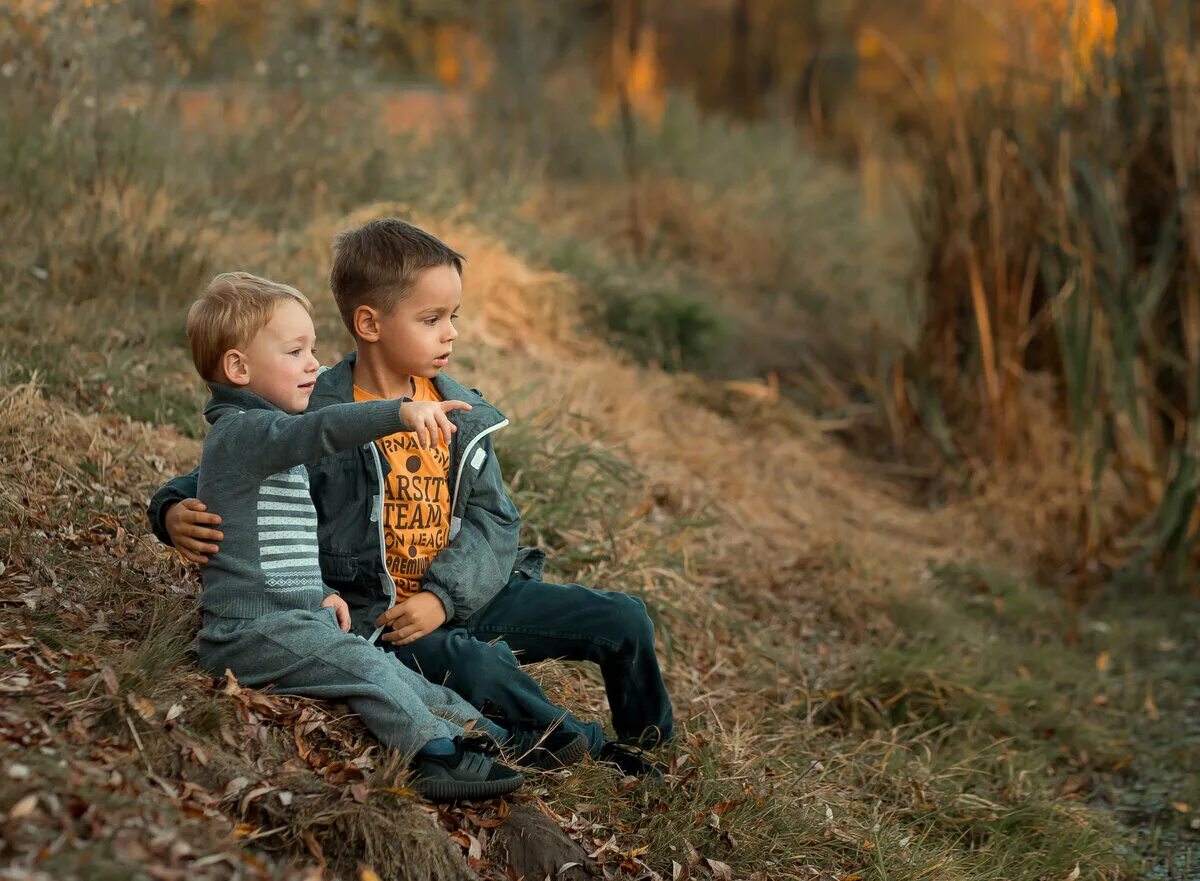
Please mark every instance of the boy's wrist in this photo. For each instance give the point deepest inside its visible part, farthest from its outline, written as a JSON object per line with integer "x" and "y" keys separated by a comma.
{"x": 443, "y": 598}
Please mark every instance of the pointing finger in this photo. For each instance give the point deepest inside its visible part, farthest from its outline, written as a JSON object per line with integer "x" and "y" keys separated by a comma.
{"x": 445, "y": 426}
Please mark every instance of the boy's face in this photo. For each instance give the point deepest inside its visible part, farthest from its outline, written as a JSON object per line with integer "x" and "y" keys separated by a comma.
{"x": 417, "y": 337}
{"x": 280, "y": 364}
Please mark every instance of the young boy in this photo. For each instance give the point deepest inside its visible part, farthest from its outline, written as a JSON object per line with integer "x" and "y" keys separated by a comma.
{"x": 427, "y": 554}
{"x": 268, "y": 616}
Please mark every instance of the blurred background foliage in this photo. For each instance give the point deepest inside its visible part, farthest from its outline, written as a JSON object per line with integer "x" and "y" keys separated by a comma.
{"x": 964, "y": 233}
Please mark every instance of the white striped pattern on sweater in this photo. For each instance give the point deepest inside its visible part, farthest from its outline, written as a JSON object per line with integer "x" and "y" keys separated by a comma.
{"x": 287, "y": 533}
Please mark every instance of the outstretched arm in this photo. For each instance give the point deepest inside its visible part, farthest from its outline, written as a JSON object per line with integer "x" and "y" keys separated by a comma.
{"x": 265, "y": 443}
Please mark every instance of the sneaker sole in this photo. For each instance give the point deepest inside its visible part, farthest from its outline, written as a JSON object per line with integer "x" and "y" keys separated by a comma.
{"x": 463, "y": 790}
{"x": 570, "y": 754}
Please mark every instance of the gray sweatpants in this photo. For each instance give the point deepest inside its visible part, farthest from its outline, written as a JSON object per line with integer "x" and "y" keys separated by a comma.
{"x": 306, "y": 653}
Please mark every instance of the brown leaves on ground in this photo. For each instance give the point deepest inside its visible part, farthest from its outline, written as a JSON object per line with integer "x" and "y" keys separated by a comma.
{"x": 120, "y": 755}
{"x": 736, "y": 533}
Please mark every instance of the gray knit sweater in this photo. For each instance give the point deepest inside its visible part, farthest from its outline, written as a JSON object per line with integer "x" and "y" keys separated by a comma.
{"x": 252, "y": 473}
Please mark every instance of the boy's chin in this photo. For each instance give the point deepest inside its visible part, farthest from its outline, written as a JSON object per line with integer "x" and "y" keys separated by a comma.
{"x": 294, "y": 407}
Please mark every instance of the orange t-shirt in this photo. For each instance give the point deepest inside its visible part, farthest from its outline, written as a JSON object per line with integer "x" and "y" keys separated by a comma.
{"x": 416, "y": 505}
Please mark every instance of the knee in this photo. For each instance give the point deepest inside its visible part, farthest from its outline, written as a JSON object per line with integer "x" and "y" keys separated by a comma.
{"x": 483, "y": 664}
{"x": 631, "y": 626}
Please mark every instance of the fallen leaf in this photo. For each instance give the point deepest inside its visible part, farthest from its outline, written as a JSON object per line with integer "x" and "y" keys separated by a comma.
{"x": 1181, "y": 806}
{"x": 1102, "y": 660}
{"x": 1074, "y": 873}
{"x": 244, "y": 830}
{"x": 722, "y": 807}
{"x": 366, "y": 873}
{"x": 721, "y": 871}
{"x": 1149, "y": 705}
{"x": 110, "y": 680}
{"x": 236, "y": 785}
{"x": 24, "y": 807}
{"x": 314, "y": 847}
{"x": 249, "y": 797}
{"x": 142, "y": 707}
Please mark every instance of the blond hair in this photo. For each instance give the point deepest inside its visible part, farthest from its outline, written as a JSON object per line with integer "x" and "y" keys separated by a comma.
{"x": 229, "y": 314}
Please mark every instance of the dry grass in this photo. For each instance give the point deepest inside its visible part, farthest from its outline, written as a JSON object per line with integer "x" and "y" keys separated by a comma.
{"x": 847, "y": 706}
{"x": 772, "y": 563}
{"x": 1058, "y": 224}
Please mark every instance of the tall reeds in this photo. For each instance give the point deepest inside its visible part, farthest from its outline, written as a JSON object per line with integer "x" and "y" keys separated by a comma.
{"x": 1061, "y": 226}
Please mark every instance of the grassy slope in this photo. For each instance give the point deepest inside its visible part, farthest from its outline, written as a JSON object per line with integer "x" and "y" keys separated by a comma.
{"x": 857, "y": 699}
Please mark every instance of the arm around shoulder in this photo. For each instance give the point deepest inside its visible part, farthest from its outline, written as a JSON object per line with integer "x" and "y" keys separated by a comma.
{"x": 172, "y": 492}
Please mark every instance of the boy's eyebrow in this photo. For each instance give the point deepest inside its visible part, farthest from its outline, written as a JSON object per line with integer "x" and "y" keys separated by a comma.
{"x": 436, "y": 310}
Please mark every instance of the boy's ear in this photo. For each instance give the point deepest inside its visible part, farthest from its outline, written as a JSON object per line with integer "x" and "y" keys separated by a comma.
{"x": 236, "y": 369}
{"x": 366, "y": 324}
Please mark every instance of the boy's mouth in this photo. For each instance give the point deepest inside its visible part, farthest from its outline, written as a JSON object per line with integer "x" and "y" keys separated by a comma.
{"x": 307, "y": 385}
{"x": 441, "y": 360}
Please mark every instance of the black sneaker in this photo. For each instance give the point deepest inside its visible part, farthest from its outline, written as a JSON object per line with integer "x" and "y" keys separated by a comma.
{"x": 465, "y": 774}
{"x": 546, "y": 750}
{"x": 630, "y": 760}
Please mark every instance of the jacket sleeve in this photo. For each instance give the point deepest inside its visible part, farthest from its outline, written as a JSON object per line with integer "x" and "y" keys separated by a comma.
{"x": 478, "y": 561}
{"x": 175, "y": 490}
{"x": 264, "y": 443}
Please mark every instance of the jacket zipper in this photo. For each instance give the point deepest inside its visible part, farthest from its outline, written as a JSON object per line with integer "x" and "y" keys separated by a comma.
{"x": 382, "y": 539}
{"x": 462, "y": 464}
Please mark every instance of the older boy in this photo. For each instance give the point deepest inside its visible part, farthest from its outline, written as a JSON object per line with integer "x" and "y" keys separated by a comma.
{"x": 268, "y": 616}
{"x": 429, "y": 552}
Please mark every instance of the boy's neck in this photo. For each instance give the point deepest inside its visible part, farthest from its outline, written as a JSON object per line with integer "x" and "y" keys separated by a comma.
{"x": 373, "y": 377}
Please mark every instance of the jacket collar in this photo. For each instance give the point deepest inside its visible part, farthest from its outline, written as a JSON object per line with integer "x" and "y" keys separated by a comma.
{"x": 335, "y": 385}
{"x": 229, "y": 399}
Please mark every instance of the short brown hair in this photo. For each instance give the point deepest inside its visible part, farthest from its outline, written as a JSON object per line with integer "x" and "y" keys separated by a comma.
{"x": 377, "y": 264}
{"x": 232, "y": 310}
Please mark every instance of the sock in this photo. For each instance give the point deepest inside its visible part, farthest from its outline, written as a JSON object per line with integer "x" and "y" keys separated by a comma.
{"x": 498, "y": 734}
{"x": 439, "y": 746}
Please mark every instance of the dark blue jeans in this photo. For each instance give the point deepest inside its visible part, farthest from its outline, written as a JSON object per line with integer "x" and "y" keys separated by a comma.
{"x": 540, "y": 621}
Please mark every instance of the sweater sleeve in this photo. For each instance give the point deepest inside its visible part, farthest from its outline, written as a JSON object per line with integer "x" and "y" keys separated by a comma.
{"x": 263, "y": 442}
